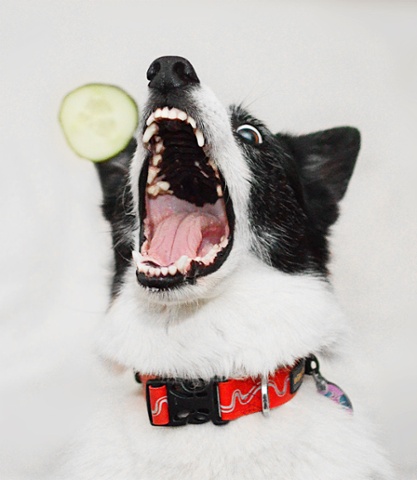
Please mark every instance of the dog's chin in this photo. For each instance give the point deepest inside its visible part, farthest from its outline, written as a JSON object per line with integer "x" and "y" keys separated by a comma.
{"x": 185, "y": 293}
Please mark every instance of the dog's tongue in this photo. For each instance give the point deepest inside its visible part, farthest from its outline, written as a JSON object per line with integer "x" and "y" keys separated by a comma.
{"x": 190, "y": 233}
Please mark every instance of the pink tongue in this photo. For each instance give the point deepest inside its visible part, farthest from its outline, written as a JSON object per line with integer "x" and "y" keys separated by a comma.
{"x": 191, "y": 234}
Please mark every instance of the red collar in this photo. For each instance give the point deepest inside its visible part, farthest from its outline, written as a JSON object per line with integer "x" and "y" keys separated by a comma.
{"x": 174, "y": 402}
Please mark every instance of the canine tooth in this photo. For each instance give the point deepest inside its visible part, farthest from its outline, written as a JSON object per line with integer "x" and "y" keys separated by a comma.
{"x": 224, "y": 241}
{"x": 163, "y": 186}
{"x": 219, "y": 191}
{"x": 152, "y": 174}
{"x": 151, "y": 119}
{"x": 200, "y": 137}
{"x": 164, "y": 271}
{"x": 191, "y": 121}
{"x": 182, "y": 263}
{"x": 182, "y": 115}
{"x": 158, "y": 113}
{"x": 165, "y": 112}
{"x": 156, "y": 160}
{"x": 172, "y": 269}
{"x": 150, "y": 132}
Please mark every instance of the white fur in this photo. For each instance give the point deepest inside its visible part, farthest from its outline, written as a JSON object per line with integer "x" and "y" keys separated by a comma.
{"x": 308, "y": 438}
{"x": 263, "y": 318}
{"x": 244, "y": 320}
{"x": 260, "y": 318}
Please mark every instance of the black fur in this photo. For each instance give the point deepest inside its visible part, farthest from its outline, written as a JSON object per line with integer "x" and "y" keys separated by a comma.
{"x": 297, "y": 183}
{"x": 117, "y": 208}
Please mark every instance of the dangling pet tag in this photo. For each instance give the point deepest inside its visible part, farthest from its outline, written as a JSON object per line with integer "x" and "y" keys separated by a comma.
{"x": 326, "y": 388}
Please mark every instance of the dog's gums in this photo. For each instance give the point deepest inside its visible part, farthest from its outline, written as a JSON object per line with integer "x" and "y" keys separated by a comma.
{"x": 187, "y": 221}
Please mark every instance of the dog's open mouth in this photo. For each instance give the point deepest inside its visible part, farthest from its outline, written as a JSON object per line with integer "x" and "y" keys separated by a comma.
{"x": 187, "y": 217}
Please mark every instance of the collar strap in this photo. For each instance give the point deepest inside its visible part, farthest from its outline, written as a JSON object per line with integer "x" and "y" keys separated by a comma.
{"x": 175, "y": 402}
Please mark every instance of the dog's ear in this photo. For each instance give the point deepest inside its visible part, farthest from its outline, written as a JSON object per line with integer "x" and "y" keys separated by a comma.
{"x": 114, "y": 176}
{"x": 326, "y": 160}
{"x": 328, "y": 157}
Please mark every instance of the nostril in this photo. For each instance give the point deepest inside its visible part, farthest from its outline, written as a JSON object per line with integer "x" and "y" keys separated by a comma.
{"x": 153, "y": 70}
{"x": 185, "y": 72}
{"x": 179, "y": 69}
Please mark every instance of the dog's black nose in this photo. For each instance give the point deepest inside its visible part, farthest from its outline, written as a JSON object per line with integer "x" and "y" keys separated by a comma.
{"x": 167, "y": 73}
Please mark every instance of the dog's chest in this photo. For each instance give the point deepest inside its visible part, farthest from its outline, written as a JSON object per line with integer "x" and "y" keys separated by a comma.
{"x": 310, "y": 437}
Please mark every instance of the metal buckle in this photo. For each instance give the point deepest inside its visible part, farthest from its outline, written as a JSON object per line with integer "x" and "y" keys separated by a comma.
{"x": 189, "y": 401}
{"x": 265, "y": 396}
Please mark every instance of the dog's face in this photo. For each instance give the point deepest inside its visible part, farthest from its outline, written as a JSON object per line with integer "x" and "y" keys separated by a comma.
{"x": 208, "y": 187}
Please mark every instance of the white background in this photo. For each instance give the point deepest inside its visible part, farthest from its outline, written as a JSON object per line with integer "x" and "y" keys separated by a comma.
{"x": 301, "y": 67}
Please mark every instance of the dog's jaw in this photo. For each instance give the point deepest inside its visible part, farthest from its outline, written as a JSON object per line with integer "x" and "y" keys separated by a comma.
{"x": 221, "y": 147}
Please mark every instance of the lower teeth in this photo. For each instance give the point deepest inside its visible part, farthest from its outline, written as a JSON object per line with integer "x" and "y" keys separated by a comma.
{"x": 180, "y": 266}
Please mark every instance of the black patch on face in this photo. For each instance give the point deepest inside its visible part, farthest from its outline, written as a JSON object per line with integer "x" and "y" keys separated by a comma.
{"x": 296, "y": 183}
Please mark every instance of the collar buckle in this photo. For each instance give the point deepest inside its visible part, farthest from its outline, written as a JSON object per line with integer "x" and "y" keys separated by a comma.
{"x": 175, "y": 402}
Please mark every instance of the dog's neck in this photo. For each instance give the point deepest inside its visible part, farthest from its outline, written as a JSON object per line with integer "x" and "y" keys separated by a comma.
{"x": 262, "y": 320}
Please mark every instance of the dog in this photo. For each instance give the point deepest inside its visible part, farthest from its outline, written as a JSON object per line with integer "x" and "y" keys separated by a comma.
{"x": 221, "y": 305}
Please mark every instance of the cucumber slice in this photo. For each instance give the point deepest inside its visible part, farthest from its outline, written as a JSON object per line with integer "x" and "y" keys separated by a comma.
{"x": 98, "y": 120}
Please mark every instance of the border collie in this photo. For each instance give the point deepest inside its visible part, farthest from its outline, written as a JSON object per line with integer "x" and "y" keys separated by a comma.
{"x": 221, "y": 301}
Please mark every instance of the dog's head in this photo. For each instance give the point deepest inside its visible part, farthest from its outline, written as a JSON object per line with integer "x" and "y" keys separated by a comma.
{"x": 203, "y": 189}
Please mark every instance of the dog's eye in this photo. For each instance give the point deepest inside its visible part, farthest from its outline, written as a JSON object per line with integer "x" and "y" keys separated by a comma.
{"x": 250, "y": 134}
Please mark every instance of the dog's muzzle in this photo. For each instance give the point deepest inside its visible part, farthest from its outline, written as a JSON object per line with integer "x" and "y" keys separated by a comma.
{"x": 186, "y": 214}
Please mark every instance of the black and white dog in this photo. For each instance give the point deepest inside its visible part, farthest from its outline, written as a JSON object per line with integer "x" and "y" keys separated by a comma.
{"x": 221, "y": 299}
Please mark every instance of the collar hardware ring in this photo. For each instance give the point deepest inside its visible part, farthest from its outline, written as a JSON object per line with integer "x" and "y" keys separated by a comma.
{"x": 266, "y": 410}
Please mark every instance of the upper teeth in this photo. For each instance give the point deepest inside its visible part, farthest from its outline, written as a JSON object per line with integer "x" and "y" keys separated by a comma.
{"x": 150, "y": 132}
{"x": 156, "y": 186}
{"x": 171, "y": 114}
